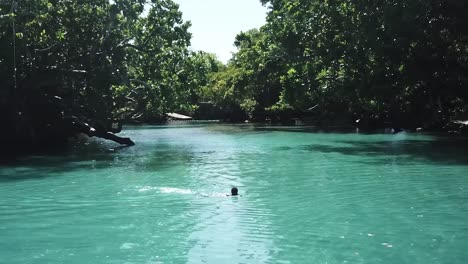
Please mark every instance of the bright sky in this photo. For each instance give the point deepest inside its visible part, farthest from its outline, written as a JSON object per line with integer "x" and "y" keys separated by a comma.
{"x": 215, "y": 23}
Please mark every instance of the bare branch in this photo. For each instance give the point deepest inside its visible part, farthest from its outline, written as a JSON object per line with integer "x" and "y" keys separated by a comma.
{"x": 46, "y": 49}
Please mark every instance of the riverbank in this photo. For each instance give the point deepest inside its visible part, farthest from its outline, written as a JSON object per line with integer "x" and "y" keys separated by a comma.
{"x": 11, "y": 149}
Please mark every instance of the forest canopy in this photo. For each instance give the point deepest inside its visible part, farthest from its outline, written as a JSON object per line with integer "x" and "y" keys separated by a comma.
{"x": 95, "y": 60}
{"x": 405, "y": 62}
{"x": 98, "y": 62}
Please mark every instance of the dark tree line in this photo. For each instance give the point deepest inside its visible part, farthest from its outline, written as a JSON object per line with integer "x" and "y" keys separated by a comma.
{"x": 397, "y": 61}
{"x": 70, "y": 67}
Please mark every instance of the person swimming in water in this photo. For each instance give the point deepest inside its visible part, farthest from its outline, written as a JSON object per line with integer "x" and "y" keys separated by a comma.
{"x": 234, "y": 191}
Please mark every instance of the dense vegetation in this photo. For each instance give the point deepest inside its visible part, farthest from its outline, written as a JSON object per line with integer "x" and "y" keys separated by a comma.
{"x": 100, "y": 61}
{"x": 93, "y": 62}
{"x": 396, "y": 61}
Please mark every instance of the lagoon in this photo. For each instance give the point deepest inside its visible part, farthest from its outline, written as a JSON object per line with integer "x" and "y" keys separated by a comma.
{"x": 307, "y": 196}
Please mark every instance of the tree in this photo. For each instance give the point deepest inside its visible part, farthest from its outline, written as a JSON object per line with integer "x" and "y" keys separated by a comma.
{"x": 95, "y": 60}
{"x": 396, "y": 60}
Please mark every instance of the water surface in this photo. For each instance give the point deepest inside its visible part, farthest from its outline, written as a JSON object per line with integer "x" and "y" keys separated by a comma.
{"x": 306, "y": 197}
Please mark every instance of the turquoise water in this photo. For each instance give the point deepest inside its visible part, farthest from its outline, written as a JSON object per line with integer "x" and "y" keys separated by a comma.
{"x": 305, "y": 198}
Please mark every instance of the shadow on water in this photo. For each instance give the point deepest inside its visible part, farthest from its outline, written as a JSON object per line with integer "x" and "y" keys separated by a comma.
{"x": 259, "y": 128}
{"x": 50, "y": 162}
{"x": 92, "y": 156}
{"x": 443, "y": 151}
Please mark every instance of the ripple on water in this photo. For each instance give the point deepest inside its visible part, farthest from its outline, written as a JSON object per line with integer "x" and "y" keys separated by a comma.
{"x": 305, "y": 198}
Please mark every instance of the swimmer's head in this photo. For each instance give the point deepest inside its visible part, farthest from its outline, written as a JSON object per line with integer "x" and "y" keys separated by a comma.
{"x": 234, "y": 191}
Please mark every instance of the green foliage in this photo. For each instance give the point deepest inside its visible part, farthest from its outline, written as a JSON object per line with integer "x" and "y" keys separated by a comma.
{"x": 110, "y": 59}
{"x": 406, "y": 60}
{"x": 131, "y": 59}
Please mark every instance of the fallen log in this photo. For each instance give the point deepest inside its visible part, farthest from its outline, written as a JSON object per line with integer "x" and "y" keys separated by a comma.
{"x": 79, "y": 126}
{"x": 107, "y": 135}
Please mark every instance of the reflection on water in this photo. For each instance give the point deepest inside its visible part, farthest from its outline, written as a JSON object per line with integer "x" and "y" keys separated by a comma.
{"x": 305, "y": 198}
